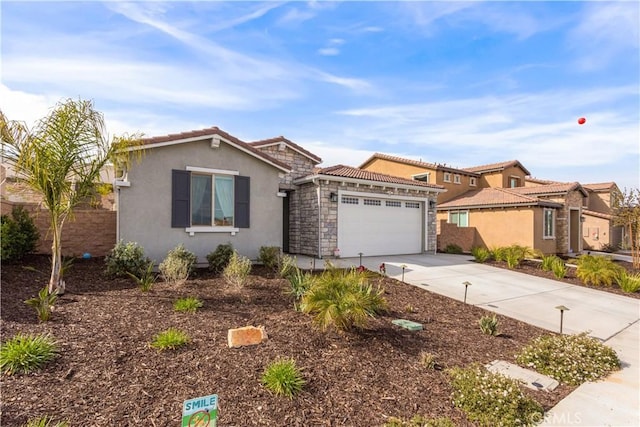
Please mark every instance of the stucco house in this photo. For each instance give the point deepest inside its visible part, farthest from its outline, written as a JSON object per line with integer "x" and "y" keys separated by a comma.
{"x": 206, "y": 187}
{"x": 598, "y": 229}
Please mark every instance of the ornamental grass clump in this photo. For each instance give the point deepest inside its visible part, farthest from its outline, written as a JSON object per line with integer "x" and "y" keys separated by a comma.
{"x": 629, "y": 282}
{"x": 548, "y": 261}
{"x": 489, "y": 325}
{"x": 515, "y": 254}
{"x": 597, "y": 270}
{"x": 187, "y": 305}
{"x": 45, "y": 421}
{"x": 283, "y": 378}
{"x": 171, "y": 339}
{"x": 492, "y": 399}
{"x": 26, "y": 353}
{"x": 299, "y": 283}
{"x": 146, "y": 280}
{"x": 343, "y": 299}
{"x": 480, "y": 254}
{"x": 570, "y": 359}
{"x": 237, "y": 271}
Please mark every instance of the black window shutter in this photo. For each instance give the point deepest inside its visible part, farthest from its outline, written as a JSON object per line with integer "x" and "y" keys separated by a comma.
{"x": 241, "y": 196}
{"x": 180, "y": 198}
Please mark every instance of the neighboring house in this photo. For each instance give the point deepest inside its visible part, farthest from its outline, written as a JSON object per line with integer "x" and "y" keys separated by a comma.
{"x": 598, "y": 227}
{"x": 206, "y": 187}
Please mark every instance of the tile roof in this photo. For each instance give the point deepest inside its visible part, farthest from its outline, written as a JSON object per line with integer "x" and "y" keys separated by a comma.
{"x": 540, "y": 181}
{"x": 208, "y": 132}
{"x": 418, "y": 163}
{"x": 494, "y": 197}
{"x": 355, "y": 173}
{"x": 597, "y": 214}
{"x": 600, "y": 186}
{"x": 281, "y": 138}
{"x": 497, "y": 167}
{"x": 561, "y": 187}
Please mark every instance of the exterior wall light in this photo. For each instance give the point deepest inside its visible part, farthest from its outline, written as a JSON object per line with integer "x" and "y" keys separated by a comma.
{"x": 333, "y": 197}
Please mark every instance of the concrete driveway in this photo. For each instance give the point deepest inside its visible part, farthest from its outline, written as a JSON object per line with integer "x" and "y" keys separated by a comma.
{"x": 612, "y": 318}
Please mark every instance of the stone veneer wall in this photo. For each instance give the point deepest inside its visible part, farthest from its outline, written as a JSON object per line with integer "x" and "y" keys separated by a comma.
{"x": 300, "y": 165}
{"x": 572, "y": 199}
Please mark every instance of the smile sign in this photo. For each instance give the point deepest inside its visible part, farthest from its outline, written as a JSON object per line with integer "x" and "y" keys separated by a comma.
{"x": 200, "y": 412}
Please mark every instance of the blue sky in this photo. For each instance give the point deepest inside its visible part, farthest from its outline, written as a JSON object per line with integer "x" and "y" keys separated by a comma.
{"x": 457, "y": 83}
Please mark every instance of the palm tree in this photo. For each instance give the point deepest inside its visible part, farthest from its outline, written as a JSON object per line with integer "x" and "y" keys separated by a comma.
{"x": 61, "y": 158}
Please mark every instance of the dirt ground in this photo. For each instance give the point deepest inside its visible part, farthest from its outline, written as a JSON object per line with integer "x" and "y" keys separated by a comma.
{"x": 107, "y": 375}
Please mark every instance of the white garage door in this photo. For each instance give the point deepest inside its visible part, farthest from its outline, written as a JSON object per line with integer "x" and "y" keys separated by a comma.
{"x": 378, "y": 226}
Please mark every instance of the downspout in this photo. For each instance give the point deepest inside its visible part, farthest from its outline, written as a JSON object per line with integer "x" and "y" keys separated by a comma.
{"x": 319, "y": 221}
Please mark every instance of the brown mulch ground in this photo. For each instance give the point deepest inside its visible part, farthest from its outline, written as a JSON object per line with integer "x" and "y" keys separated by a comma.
{"x": 533, "y": 268}
{"x": 107, "y": 375}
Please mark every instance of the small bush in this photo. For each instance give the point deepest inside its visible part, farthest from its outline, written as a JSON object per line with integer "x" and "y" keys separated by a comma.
{"x": 237, "y": 271}
{"x": 42, "y": 303}
{"x": 492, "y": 399}
{"x": 126, "y": 258}
{"x": 19, "y": 235}
{"x": 515, "y": 254}
{"x": 489, "y": 325}
{"x": 343, "y": 299}
{"x": 187, "y": 305}
{"x": 146, "y": 281}
{"x": 219, "y": 258}
{"x": 499, "y": 253}
{"x": 288, "y": 265}
{"x": 26, "y": 353}
{"x": 283, "y": 378}
{"x": 45, "y": 421}
{"x": 178, "y": 265}
{"x": 419, "y": 421}
{"x": 428, "y": 360}
{"x": 559, "y": 268}
{"x": 299, "y": 283}
{"x": 628, "y": 282}
{"x": 480, "y": 254}
{"x": 269, "y": 256}
{"x": 452, "y": 248}
{"x": 570, "y": 359}
{"x": 170, "y": 339}
{"x": 597, "y": 270}
{"x": 548, "y": 261}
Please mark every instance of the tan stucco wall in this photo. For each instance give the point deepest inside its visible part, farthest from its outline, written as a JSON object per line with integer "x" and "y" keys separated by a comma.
{"x": 547, "y": 246}
{"x": 145, "y": 206}
{"x": 600, "y": 201}
{"x": 500, "y": 179}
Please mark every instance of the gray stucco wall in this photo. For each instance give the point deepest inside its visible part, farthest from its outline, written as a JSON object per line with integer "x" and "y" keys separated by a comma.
{"x": 145, "y": 206}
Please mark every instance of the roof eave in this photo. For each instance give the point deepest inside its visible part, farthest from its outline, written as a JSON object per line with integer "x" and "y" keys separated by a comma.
{"x": 366, "y": 182}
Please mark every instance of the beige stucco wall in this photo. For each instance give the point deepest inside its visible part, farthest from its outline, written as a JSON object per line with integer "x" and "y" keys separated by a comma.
{"x": 500, "y": 179}
{"x": 145, "y": 206}
{"x": 600, "y": 201}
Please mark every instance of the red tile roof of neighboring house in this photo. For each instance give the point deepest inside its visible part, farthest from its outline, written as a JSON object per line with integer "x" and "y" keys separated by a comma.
{"x": 494, "y": 197}
{"x": 497, "y": 167}
{"x": 209, "y": 132}
{"x": 281, "y": 138}
{"x": 541, "y": 181}
{"x": 558, "y": 188}
{"x": 355, "y": 173}
{"x": 418, "y": 163}
{"x": 600, "y": 186}
{"x": 596, "y": 214}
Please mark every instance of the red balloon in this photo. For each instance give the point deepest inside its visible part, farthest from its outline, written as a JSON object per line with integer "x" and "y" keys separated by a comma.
{"x": 582, "y": 121}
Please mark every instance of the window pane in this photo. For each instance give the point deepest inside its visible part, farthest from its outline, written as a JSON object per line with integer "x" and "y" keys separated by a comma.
{"x": 200, "y": 199}
{"x": 453, "y": 217}
{"x": 548, "y": 223}
{"x": 463, "y": 219}
{"x": 224, "y": 200}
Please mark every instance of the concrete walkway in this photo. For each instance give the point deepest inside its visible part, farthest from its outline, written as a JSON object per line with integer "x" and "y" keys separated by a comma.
{"x": 614, "y": 319}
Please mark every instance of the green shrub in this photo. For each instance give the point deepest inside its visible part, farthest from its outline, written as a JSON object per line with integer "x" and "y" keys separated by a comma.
{"x": 489, "y": 325}
{"x": 515, "y": 254}
{"x": 628, "y": 282}
{"x": 480, "y": 254}
{"x": 288, "y": 265}
{"x": 178, "y": 265}
{"x": 559, "y": 268}
{"x": 146, "y": 280}
{"x": 299, "y": 283}
{"x": 45, "y": 421}
{"x": 219, "y": 258}
{"x": 19, "y": 235}
{"x": 452, "y": 248}
{"x": 342, "y": 299}
{"x": 597, "y": 270}
{"x": 237, "y": 271}
{"x": 26, "y": 353}
{"x": 187, "y": 305}
{"x": 492, "y": 399}
{"x": 283, "y": 378}
{"x": 498, "y": 253}
{"x": 548, "y": 261}
{"x": 269, "y": 256}
{"x": 170, "y": 339}
{"x": 43, "y": 302}
{"x": 428, "y": 360}
{"x": 126, "y": 258}
{"x": 419, "y": 421}
{"x": 570, "y": 359}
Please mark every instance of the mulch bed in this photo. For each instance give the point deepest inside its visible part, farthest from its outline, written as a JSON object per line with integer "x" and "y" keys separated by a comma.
{"x": 107, "y": 375}
{"x": 533, "y": 268}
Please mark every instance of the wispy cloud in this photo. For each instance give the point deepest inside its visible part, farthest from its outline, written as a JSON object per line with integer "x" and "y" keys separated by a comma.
{"x": 259, "y": 12}
{"x": 331, "y": 48}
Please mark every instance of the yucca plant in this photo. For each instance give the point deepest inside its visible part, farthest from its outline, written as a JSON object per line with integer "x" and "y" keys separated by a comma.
{"x": 597, "y": 270}
{"x": 628, "y": 282}
{"x": 480, "y": 254}
{"x": 146, "y": 279}
{"x": 187, "y": 305}
{"x": 299, "y": 283}
{"x": 170, "y": 339}
{"x": 43, "y": 302}
{"x": 283, "y": 378}
{"x": 343, "y": 299}
{"x": 26, "y": 353}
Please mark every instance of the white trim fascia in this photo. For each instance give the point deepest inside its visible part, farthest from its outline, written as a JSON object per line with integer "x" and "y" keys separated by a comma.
{"x": 380, "y": 196}
{"x": 513, "y": 205}
{"x": 366, "y": 182}
{"x": 290, "y": 146}
{"x": 251, "y": 153}
{"x": 212, "y": 171}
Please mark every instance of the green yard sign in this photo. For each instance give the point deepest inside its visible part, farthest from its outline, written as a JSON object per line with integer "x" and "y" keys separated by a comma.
{"x": 200, "y": 412}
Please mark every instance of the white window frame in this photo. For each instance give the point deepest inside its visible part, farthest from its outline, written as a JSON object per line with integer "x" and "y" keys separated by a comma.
{"x": 516, "y": 179}
{"x": 212, "y": 228}
{"x": 458, "y": 212}
{"x": 472, "y": 181}
{"x": 447, "y": 177}
{"x": 457, "y": 179}
{"x": 553, "y": 224}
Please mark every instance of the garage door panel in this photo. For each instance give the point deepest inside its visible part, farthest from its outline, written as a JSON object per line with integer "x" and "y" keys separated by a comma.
{"x": 387, "y": 228}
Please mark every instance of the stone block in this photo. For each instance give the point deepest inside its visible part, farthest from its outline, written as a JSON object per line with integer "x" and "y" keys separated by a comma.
{"x": 529, "y": 378}
{"x": 407, "y": 324}
{"x": 248, "y": 335}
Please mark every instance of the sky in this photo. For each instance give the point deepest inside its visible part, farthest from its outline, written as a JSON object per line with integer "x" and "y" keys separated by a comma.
{"x": 463, "y": 84}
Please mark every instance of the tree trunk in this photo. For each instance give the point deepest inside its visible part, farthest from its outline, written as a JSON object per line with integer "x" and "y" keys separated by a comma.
{"x": 55, "y": 282}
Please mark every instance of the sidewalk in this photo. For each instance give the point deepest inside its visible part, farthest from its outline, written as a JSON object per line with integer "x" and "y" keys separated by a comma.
{"x": 612, "y": 318}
